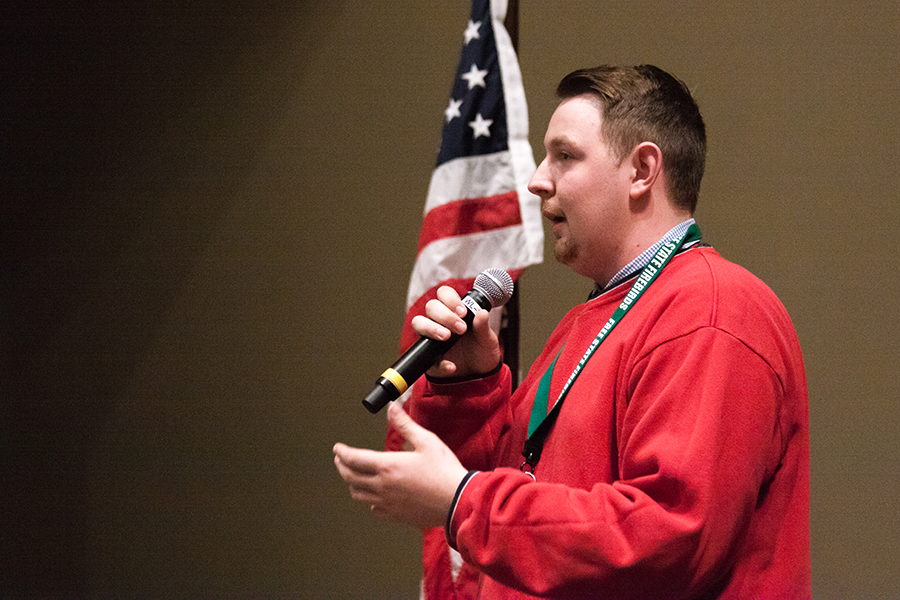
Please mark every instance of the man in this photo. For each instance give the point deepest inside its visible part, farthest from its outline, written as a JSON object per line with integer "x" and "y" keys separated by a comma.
{"x": 675, "y": 463}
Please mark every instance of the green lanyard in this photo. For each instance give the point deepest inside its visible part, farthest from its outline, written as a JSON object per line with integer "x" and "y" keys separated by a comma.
{"x": 541, "y": 421}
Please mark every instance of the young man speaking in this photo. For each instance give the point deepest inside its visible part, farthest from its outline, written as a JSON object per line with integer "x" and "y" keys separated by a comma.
{"x": 659, "y": 446}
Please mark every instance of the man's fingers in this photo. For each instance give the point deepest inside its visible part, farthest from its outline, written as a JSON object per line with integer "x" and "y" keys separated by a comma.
{"x": 447, "y": 315}
{"x": 426, "y": 327}
{"x": 443, "y": 315}
{"x": 358, "y": 460}
{"x": 363, "y": 486}
{"x": 415, "y": 487}
{"x": 482, "y": 329}
{"x": 449, "y": 297}
{"x": 363, "y": 476}
{"x": 411, "y": 431}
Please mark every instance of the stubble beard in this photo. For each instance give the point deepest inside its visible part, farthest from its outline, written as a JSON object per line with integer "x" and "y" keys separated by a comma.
{"x": 565, "y": 251}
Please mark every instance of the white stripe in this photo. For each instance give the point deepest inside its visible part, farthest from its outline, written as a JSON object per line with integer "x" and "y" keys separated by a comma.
{"x": 456, "y": 563}
{"x": 463, "y": 256}
{"x": 521, "y": 156}
{"x": 513, "y": 89}
{"x": 529, "y": 204}
{"x": 498, "y": 11}
{"x": 470, "y": 177}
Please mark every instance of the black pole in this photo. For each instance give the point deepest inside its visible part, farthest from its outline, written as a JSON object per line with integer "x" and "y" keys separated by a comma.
{"x": 510, "y": 327}
{"x": 512, "y": 23}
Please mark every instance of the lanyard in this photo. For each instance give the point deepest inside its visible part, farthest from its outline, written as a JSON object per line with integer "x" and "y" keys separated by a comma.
{"x": 541, "y": 420}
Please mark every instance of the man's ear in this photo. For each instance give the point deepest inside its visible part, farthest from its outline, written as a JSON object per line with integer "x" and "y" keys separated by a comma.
{"x": 646, "y": 162}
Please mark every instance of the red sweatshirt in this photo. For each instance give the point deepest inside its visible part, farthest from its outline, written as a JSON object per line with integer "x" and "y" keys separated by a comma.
{"x": 678, "y": 466}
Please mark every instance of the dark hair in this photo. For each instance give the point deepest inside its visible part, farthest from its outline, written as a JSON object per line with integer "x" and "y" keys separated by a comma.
{"x": 646, "y": 104}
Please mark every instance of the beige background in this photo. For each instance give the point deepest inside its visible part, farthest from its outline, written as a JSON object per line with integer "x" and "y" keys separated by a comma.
{"x": 210, "y": 213}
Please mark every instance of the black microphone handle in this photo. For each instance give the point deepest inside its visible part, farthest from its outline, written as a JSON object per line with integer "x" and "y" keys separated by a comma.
{"x": 419, "y": 358}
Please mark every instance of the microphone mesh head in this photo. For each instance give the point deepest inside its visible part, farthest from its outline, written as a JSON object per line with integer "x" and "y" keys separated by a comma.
{"x": 496, "y": 284}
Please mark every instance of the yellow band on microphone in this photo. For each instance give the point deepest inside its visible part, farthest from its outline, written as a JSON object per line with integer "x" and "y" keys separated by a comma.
{"x": 395, "y": 378}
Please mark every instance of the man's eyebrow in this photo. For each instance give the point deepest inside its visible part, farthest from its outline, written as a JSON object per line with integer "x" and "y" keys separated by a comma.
{"x": 561, "y": 140}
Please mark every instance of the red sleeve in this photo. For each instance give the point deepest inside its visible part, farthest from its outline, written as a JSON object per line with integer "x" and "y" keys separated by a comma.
{"x": 698, "y": 437}
{"x": 469, "y": 416}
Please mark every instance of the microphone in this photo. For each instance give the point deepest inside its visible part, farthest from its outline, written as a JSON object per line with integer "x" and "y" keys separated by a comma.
{"x": 492, "y": 288}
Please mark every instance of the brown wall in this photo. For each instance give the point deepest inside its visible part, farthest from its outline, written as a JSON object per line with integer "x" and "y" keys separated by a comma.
{"x": 210, "y": 214}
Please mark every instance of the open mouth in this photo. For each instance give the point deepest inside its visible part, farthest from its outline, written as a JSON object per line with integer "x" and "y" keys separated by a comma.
{"x": 553, "y": 217}
{"x": 556, "y": 221}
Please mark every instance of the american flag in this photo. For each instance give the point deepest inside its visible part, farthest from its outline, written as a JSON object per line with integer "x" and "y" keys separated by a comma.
{"x": 478, "y": 214}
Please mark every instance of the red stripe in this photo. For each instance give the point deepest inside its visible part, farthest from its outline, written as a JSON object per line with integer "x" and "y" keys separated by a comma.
{"x": 472, "y": 215}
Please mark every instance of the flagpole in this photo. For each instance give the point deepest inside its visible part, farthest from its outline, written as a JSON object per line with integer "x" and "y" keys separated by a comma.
{"x": 510, "y": 327}
{"x": 512, "y": 23}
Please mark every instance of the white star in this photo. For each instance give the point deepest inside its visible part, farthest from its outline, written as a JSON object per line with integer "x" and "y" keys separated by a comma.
{"x": 475, "y": 77}
{"x": 472, "y": 32}
{"x": 453, "y": 109}
{"x": 481, "y": 126}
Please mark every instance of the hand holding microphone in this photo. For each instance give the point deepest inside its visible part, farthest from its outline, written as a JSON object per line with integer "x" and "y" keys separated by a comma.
{"x": 492, "y": 288}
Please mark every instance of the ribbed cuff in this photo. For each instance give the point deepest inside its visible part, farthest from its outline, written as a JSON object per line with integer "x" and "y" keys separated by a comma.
{"x": 451, "y": 380}
{"x": 452, "y": 511}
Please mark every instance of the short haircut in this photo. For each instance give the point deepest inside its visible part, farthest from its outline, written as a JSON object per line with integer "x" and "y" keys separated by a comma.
{"x": 646, "y": 104}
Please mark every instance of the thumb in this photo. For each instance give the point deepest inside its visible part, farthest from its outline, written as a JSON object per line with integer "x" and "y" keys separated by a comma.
{"x": 411, "y": 431}
{"x": 481, "y": 326}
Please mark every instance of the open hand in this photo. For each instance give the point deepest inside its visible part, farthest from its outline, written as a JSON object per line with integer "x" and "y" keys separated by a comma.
{"x": 414, "y": 487}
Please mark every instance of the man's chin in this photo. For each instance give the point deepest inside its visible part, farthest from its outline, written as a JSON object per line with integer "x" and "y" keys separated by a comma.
{"x": 564, "y": 254}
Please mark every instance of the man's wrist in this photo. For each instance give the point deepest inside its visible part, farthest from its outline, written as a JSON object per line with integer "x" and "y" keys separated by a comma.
{"x": 459, "y": 490}
{"x": 463, "y": 378}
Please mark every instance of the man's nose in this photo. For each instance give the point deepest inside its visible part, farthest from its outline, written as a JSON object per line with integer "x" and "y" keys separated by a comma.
{"x": 541, "y": 184}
